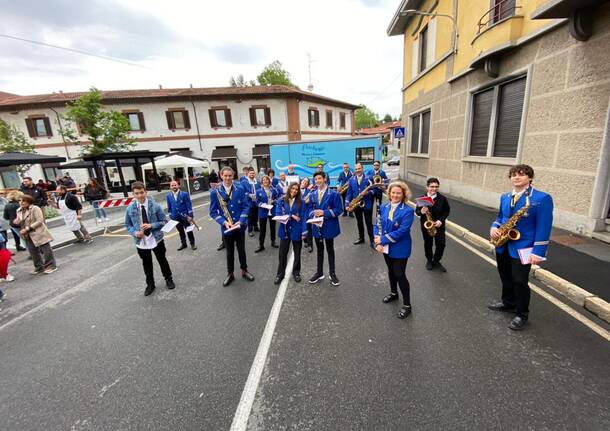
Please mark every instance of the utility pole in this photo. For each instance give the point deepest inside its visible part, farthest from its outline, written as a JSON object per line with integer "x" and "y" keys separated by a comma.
{"x": 309, "y": 61}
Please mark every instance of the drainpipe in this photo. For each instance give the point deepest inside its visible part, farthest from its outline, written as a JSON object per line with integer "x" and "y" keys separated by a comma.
{"x": 61, "y": 133}
{"x": 196, "y": 125}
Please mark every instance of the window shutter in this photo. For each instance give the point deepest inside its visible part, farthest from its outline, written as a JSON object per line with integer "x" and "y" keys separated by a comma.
{"x": 47, "y": 126}
{"x": 414, "y": 59}
{"x": 425, "y": 132}
{"x": 253, "y": 117}
{"x": 329, "y": 119}
{"x": 431, "y": 42}
{"x": 187, "y": 120}
{"x": 510, "y": 109}
{"x": 228, "y": 116}
{"x": 213, "y": 123}
{"x": 423, "y": 37}
{"x": 414, "y": 134}
{"x": 317, "y": 118}
{"x": 310, "y": 117}
{"x": 170, "y": 120}
{"x": 29, "y": 123}
{"x": 141, "y": 121}
{"x": 481, "y": 119}
{"x": 268, "y": 116}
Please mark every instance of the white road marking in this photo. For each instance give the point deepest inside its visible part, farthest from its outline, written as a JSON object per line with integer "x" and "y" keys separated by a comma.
{"x": 242, "y": 413}
{"x": 569, "y": 310}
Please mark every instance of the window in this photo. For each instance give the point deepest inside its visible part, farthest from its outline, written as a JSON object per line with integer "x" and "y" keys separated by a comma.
{"x": 365, "y": 155}
{"x": 136, "y": 121}
{"x": 423, "y": 48}
{"x": 260, "y": 116}
{"x": 501, "y": 9}
{"x": 313, "y": 116}
{"x": 38, "y": 127}
{"x": 329, "y": 119}
{"x": 342, "y": 120}
{"x": 220, "y": 117}
{"x": 420, "y": 133}
{"x": 178, "y": 119}
{"x": 496, "y": 120}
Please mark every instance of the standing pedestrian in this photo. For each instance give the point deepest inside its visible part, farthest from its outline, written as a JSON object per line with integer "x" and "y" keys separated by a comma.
{"x": 72, "y": 212}
{"x": 10, "y": 214}
{"x": 251, "y": 187}
{"x": 180, "y": 209}
{"x": 144, "y": 219}
{"x": 364, "y": 214}
{"x": 377, "y": 171}
{"x": 342, "y": 181}
{"x": 94, "y": 192}
{"x": 438, "y": 212}
{"x": 29, "y": 188}
{"x": 266, "y": 195}
{"x": 33, "y": 230}
{"x": 393, "y": 230}
{"x": 305, "y": 192}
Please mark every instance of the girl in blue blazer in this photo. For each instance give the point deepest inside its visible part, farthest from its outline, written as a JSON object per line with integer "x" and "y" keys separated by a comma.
{"x": 305, "y": 192}
{"x": 393, "y": 240}
{"x": 294, "y": 231}
{"x": 267, "y": 194}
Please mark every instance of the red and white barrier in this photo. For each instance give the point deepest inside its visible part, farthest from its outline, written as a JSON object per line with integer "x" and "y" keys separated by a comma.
{"x": 112, "y": 203}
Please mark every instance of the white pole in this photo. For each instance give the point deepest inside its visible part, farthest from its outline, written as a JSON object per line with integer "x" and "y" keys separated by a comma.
{"x": 186, "y": 174}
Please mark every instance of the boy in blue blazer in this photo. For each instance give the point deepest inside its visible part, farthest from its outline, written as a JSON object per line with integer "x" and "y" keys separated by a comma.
{"x": 180, "y": 209}
{"x": 378, "y": 171}
{"x": 343, "y": 179}
{"x": 535, "y": 229}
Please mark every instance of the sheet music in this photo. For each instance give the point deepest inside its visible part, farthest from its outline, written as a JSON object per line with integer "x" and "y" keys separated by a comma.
{"x": 266, "y": 206}
{"x": 232, "y": 228}
{"x": 282, "y": 218}
{"x": 318, "y": 221}
{"x": 190, "y": 228}
{"x": 169, "y": 226}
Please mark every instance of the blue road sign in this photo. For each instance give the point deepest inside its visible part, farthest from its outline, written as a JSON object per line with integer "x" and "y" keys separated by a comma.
{"x": 399, "y": 132}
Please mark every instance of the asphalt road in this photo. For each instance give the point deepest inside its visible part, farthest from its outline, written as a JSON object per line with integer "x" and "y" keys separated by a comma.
{"x": 83, "y": 349}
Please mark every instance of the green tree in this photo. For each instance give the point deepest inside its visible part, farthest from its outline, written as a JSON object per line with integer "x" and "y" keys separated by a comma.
{"x": 274, "y": 74}
{"x": 365, "y": 118}
{"x": 388, "y": 118}
{"x": 12, "y": 140}
{"x": 239, "y": 81}
{"x": 108, "y": 131}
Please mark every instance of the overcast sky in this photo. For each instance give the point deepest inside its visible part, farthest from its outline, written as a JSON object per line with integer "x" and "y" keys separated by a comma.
{"x": 203, "y": 43}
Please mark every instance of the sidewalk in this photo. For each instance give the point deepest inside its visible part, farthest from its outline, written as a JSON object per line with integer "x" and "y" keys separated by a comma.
{"x": 580, "y": 260}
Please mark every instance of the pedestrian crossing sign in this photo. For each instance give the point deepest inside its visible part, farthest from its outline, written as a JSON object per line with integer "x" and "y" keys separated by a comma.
{"x": 399, "y": 132}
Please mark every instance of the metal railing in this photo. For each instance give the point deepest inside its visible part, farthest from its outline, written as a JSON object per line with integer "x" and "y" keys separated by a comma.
{"x": 499, "y": 11}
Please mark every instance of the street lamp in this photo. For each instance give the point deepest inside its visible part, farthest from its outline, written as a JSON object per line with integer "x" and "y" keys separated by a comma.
{"x": 410, "y": 12}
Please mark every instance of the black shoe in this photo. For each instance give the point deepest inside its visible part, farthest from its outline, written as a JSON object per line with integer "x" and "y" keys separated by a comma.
{"x": 251, "y": 233}
{"x": 182, "y": 247}
{"x": 429, "y": 266}
{"x": 500, "y": 306}
{"x": 278, "y": 280}
{"x": 297, "y": 277}
{"x": 440, "y": 267}
{"x": 21, "y": 249}
{"x": 259, "y": 249}
{"x": 389, "y": 298}
{"x": 315, "y": 278}
{"x": 193, "y": 247}
{"x": 169, "y": 283}
{"x": 220, "y": 246}
{"x": 359, "y": 241}
{"x": 245, "y": 274}
{"x": 149, "y": 289}
{"x": 344, "y": 215}
{"x": 274, "y": 245}
{"x": 228, "y": 280}
{"x": 334, "y": 280}
{"x": 518, "y": 323}
{"x": 404, "y": 311}
{"x": 351, "y": 215}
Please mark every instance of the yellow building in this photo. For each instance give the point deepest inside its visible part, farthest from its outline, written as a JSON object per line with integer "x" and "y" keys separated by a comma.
{"x": 492, "y": 83}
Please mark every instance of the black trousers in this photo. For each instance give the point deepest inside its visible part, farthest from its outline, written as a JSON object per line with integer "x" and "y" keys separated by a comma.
{"x": 263, "y": 231}
{"x": 284, "y": 248}
{"x": 438, "y": 240}
{"x": 397, "y": 273}
{"x": 182, "y": 224}
{"x": 147, "y": 262}
{"x": 236, "y": 239}
{"x": 514, "y": 276}
{"x": 309, "y": 239}
{"x": 16, "y": 237}
{"x": 330, "y": 250}
{"x": 253, "y": 218}
{"x": 367, "y": 215}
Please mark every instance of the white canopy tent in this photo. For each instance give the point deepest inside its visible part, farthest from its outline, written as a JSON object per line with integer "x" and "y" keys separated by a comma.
{"x": 176, "y": 161}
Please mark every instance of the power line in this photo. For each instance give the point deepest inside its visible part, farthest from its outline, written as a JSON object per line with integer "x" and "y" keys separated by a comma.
{"x": 385, "y": 89}
{"x": 77, "y": 51}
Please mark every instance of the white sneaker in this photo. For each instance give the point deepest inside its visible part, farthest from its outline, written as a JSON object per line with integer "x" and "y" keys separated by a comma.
{"x": 107, "y": 219}
{"x": 50, "y": 270}
{"x": 9, "y": 277}
{"x": 98, "y": 220}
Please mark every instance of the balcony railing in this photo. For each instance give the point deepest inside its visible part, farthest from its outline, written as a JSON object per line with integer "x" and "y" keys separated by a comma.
{"x": 500, "y": 10}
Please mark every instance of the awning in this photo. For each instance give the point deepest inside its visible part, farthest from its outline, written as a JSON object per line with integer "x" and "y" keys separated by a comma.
{"x": 13, "y": 159}
{"x": 81, "y": 164}
{"x": 222, "y": 153}
{"x": 260, "y": 151}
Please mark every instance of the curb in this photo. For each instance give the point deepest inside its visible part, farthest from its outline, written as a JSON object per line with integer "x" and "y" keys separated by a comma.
{"x": 571, "y": 291}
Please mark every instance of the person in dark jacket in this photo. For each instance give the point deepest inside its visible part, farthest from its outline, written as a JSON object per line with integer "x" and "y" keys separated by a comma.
{"x": 439, "y": 211}
{"x": 213, "y": 177}
{"x": 71, "y": 209}
{"x": 29, "y": 188}
{"x": 10, "y": 214}
{"x": 94, "y": 192}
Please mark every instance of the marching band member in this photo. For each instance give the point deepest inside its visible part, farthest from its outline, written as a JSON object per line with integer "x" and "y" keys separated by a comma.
{"x": 532, "y": 210}
{"x": 229, "y": 206}
{"x": 393, "y": 230}
{"x": 343, "y": 179}
{"x": 326, "y": 203}
{"x": 180, "y": 209}
{"x": 357, "y": 184}
{"x": 378, "y": 192}
{"x": 266, "y": 195}
{"x": 439, "y": 212}
{"x": 274, "y": 181}
{"x": 283, "y": 184}
{"x": 305, "y": 193}
{"x": 295, "y": 230}
{"x": 251, "y": 187}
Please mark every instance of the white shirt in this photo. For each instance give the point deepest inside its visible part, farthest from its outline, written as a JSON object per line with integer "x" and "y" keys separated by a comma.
{"x": 431, "y": 196}
{"x": 147, "y": 242}
{"x": 176, "y": 195}
{"x": 227, "y": 189}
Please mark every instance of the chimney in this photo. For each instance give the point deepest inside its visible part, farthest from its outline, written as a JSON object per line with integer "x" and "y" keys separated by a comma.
{"x": 160, "y": 87}
{"x": 191, "y": 85}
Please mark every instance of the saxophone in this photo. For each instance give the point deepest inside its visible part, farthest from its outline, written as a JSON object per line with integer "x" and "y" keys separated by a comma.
{"x": 223, "y": 206}
{"x": 343, "y": 188}
{"x": 429, "y": 224}
{"x": 358, "y": 200}
{"x": 507, "y": 230}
